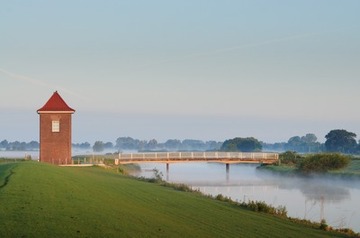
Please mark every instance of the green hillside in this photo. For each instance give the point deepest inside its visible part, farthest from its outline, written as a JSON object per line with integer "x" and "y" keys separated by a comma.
{"x": 40, "y": 200}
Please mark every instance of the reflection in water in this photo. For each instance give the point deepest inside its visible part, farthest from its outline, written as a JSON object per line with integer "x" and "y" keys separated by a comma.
{"x": 310, "y": 198}
{"x": 318, "y": 188}
{"x": 324, "y": 193}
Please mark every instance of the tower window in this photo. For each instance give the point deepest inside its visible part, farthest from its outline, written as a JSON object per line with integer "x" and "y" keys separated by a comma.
{"x": 55, "y": 126}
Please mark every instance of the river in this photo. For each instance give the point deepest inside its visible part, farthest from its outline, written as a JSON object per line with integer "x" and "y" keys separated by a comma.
{"x": 335, "y": 200}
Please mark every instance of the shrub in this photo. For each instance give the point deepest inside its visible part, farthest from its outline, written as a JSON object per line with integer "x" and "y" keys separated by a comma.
{"x": 260, "y": 206}
{"x": 290, "y": 158}
{"x": 323, "y": 225}
{"x": 179, "y": 187}
{"x": 121, "y": 170}
{"x": 323, "y": 163}
{"x": 156, "y": 179}
{"x": 27, "y": 157}
{"x": 223, "y": 198}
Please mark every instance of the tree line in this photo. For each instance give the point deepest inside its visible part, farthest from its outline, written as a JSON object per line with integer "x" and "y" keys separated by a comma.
{"x": 338, "y": 140}
{"x": 301, "y": 144}
{"x": 124, "y": 143}
{"x": 129, "y": 143}
{"x": 19, "y": 146}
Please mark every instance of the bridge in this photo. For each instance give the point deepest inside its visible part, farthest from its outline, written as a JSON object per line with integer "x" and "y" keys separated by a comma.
{"x": 186, "y": 157}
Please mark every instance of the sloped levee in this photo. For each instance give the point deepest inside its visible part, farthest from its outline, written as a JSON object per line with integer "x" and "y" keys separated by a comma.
{"x": 6, "y": 171}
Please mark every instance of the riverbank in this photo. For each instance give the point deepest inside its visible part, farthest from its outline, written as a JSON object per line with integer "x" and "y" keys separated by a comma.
{"x": 45, "y": 200}
{"x": 350, "y": 171}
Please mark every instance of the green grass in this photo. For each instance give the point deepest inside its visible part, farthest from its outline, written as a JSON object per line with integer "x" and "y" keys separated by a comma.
{"x": 41, "y": 200}
{"x": 352, "y": 170}
{"x": 283, "y": 169}
{"x": 354, "y": 167}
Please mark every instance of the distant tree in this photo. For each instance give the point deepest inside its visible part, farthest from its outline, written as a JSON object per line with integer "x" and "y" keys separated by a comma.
{"x": 172, "y": 144}
{"x": 98, "y": 146}
{"x": 278, "y": 146}
{"x": 82, "y": 146}
{"x": 108, "y": 145}
{"x": 341, "y": 141}
{"x": 249, "y": 144}
{"x": 127, "y": 143}
{"x": 152, "y": 144}
{"x": 141, "y": 145}
{"x": 213, "y": 145}
{"x": 17, "y": 146}
{"x": 33, "y": 145}
{"x": 4, "y": 144}
{"x": 309, "y": 138}
{"x": 22, "y": 146}
{"x": 295, "y": 144}
{"x": 310, "y": 142}
{"x": 303, "y": 144}
{"x": 85, "y": 145}
{"x": 189, "y": 144}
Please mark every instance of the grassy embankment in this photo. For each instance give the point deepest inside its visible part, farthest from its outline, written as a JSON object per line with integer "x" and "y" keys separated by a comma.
{"x": 41, "y": 200}
{"x": 352, "y": 170}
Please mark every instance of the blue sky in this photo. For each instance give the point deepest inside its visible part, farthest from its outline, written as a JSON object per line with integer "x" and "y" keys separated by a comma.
{"x": 209, "y": 70}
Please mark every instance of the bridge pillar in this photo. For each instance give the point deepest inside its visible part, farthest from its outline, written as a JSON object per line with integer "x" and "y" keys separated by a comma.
{"x": 227, "y": 172}
{"x": 167, "y": 171}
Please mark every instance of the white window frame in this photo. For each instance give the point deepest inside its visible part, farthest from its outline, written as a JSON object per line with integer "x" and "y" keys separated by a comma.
{"x": 55, "y": 126}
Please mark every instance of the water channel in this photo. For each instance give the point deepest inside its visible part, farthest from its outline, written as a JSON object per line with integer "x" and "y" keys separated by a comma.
{"x": 335, "y": 200}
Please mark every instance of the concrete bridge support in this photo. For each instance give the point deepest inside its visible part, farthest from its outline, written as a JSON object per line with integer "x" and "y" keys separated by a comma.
{"x": 227, "y": 172}
{"x": 167, "y": 171}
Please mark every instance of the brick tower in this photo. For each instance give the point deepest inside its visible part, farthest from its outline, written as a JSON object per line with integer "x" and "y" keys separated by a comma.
{"x": 55, "y": 131}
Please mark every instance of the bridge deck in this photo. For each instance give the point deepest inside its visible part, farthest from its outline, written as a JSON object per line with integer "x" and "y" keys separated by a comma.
{"x": 181, "y": 157}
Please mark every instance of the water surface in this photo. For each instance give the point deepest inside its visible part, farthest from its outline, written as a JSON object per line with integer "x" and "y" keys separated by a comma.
{"x": 335, "y": 200}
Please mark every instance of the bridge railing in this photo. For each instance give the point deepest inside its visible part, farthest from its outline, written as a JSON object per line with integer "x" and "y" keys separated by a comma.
{"x": 197, "y": 155}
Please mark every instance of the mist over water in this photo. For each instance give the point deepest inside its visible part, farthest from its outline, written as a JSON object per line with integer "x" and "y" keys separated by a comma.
{"x": 35, "y": 153}
{"x": 19, "y": 154}
{"x": 315, "y": 198}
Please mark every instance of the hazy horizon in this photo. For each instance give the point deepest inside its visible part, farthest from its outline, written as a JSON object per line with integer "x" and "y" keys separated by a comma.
{"x": 207, "y": 70}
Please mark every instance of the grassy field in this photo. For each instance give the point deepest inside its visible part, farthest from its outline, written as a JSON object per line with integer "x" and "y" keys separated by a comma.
{"x": 41, "y": 200}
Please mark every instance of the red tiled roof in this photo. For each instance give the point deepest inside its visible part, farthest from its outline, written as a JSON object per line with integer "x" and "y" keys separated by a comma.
{"x": 56, "y": 104}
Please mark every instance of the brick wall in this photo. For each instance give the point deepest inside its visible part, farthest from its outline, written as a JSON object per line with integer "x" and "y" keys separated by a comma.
{"x": 55, "y": 147}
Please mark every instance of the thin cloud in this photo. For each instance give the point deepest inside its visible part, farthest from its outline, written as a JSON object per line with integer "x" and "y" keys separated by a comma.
{"x": 235, "y": 48}
{"x": 41, "y": 83}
